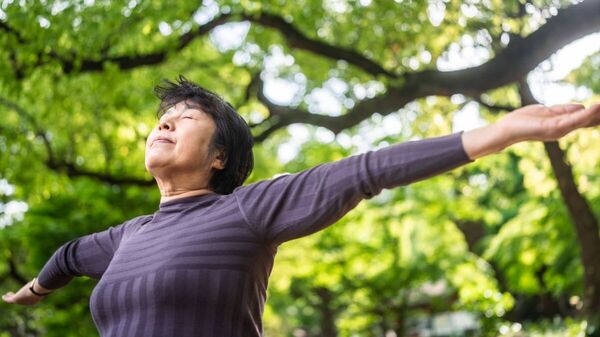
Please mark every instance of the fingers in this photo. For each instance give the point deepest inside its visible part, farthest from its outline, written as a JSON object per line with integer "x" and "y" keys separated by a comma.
{"x": 8, "y": 297}
{"x": 551, "y": 111}
{"x": 579, "y": 118}
{"x": 566, "y": 108}
{"x": 561, "y": 109}
{"x": 594, "y": 115}
{"x": 17, "y": 298}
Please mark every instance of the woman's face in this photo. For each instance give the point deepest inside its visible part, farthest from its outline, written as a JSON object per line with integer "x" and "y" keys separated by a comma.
{"x": 180, "y": 143}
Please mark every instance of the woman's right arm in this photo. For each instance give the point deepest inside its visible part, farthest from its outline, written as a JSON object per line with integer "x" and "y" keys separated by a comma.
{"x": 88, "y": 255}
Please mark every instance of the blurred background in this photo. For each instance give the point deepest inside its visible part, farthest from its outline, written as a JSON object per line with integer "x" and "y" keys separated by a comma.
{"x": 506, "y": 246}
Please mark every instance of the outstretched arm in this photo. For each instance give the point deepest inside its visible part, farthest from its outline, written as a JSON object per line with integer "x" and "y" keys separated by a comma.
{"x": 87, "y": 255}
{"x": 296, "y": 205}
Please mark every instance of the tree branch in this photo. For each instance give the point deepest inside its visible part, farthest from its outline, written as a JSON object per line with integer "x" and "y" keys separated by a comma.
{"x": 5, "y": 27}
{"x": 39, "y": 132}
{"x": 510, "y": 65}
{"x": 13, "y": 271}
{"x": 281, "y": 115}
{"x": 126, "y": 62}
{"x": 74, "y": 171}
{"x": 494, "y": 107}
{"x": 517, "y": 59}
{"x": 296, "y": 39}
{"x": 62, "y": 165}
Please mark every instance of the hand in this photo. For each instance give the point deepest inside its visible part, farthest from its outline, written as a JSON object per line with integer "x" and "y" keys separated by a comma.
{"x": 531, "y": 122}
{"x": 539, "y": 122}
{"x": 24, "y": 296}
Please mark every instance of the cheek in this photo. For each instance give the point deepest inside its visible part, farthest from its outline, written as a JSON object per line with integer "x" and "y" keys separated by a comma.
{"x": 189, "y": 148}
{"x": 150, "y": 136}
{"x": 193, "y": 150}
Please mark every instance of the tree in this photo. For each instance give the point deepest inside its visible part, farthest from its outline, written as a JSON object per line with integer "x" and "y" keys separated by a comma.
{"x": 75, "y": 83}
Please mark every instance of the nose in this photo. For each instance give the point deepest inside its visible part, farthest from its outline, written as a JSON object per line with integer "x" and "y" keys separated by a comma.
{"x": 165, "y": 124}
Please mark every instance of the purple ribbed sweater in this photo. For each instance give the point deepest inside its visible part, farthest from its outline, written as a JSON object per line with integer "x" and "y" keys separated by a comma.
{"x": 199, "y": 266}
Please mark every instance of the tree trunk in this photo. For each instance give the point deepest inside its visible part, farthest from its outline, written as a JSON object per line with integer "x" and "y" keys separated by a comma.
{"x": 527, "y": 307}
{"x": 586, "y": 227}
{"x": 584, "y": 221}
{"x": 328, "y": 328}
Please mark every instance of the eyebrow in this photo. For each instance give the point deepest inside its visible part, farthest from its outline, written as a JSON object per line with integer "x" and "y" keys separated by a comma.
{"x": 192, "y": 108}
{"x": 187, "y": 108}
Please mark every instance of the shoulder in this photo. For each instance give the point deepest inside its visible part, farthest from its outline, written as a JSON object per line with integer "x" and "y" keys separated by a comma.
{"x": 142, "y": 219}
{"x": 134, "y": 224}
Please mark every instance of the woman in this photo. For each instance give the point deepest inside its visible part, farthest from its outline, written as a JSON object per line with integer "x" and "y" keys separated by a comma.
{"x": 199, "y": 265}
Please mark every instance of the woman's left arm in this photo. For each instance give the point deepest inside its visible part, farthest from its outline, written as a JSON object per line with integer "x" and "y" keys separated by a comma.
{"x": 296, "y": 205}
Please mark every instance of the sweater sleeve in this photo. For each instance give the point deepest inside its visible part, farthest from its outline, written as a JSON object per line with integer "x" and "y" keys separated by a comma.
{"x": 88, "y": 255}
{"x": 295, "y": 205}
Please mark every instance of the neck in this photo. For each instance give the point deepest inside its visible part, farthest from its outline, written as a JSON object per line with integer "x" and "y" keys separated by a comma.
{"x": 181, "y": 186}
{"x": 172, "y": 195}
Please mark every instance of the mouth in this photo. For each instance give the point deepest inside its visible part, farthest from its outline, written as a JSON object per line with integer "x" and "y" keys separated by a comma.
{"x": 162, "y": 140}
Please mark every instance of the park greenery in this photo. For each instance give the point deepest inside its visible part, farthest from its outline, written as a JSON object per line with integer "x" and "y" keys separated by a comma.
{"x": 511, "y": 239}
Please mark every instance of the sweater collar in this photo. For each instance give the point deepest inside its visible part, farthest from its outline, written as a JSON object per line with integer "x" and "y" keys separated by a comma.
{"x": 180, "y": 204}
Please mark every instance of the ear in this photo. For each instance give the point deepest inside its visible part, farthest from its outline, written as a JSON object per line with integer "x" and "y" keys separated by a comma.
{"x": 220, "y": 161}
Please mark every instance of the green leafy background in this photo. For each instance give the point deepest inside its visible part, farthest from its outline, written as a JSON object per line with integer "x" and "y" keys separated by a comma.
{"x": 370, "y": 269}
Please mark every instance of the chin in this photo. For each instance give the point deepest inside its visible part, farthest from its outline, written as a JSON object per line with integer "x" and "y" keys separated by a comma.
{"x": 155, "y": 164}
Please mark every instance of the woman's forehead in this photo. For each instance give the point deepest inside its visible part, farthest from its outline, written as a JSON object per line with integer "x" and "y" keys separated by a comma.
{"x": 182, "y": 107}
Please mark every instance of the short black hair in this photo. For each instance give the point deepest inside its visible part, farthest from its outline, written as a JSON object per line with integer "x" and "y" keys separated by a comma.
{"x": 232, "y": 134}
